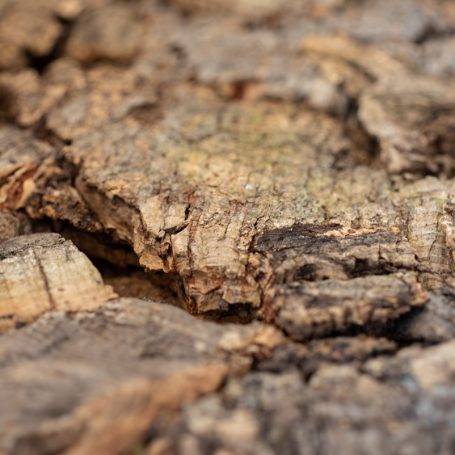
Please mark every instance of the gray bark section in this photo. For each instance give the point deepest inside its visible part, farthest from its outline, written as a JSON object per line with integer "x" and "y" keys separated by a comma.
{"x": 67, "y": 380}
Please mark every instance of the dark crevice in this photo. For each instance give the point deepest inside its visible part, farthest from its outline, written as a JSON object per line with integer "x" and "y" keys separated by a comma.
{"x": 363, "y": 268}
{"x": 99, "y": 245}
{"x": 131, "y": 281}
{"x": 394, "y": 330}
{"x": 7, "y": 105}
{"x": 117, "y": 263}
{"x": 234, "y": 313}
{"x": 147, "y": 114}
{"x": 397, "y": 329}
{"x": 240, "y": 88}
{"x": 43, "y": 274}
{"x": 41, "y": 63}
{"x": 390, "y": 329}
{"x": 431, "y": 33}
{"x": 45, "y": 134}
{"x": 366, "y": 145}
{"x": 292, "y": 237}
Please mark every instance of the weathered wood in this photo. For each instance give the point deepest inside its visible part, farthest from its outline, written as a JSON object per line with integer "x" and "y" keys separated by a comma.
{"x": 288, "y": 161}
{"x": 44, "y": 272}
{"x": 335, "y": 224}
{"x": 103, "y": 377}
{"x": 398, "y": 405}
{"x": 22, "y": 159}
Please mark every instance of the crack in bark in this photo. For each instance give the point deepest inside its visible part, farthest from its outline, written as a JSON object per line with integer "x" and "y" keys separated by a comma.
{"x": 53, "y": 305}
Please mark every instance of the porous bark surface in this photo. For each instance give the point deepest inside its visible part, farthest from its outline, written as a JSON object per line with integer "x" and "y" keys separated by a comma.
{"x": 288, "y": 165}
{"x": 44, "y": 272}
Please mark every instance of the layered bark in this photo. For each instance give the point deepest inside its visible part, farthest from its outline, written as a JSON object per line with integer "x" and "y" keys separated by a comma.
{"x": 43, "y": 272}
{"x": 387, "y": 406}
{"x": 289, "y": 162}
{"x": 103, "y": 377}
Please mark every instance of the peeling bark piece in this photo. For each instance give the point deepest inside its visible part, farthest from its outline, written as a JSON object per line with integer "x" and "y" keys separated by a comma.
{"x": 32, "y": 96}
{"x": 411, "y": 116}
{"x": 32, "y": 30}
{"x": 29, "y": 168}
{"x": 193, "y": 229}
{"x": 71, "y": 101}
{"x": 30, "y": 100}
{"x": 321, "y": 282}
{"x": 316, "y": 252}
{"x": 26, "y": 27}
{"x": 110, "y": 33}
{"x": 104, "y": 377}
{"x": 263, "y": 64}
{"x": 340, "y": 409}
{"x": 44, "y": 272}
{"x": 414, "y": 121}
{"x": 296, "y": 183}
{"x": 435, "y": 322}
{"x": 94, "y": 98}
{"x": 321, "y": 308}
{"x": 22, "y": 161}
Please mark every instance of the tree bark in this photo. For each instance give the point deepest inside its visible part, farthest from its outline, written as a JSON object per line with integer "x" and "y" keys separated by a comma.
{"x": 285, "y": 164}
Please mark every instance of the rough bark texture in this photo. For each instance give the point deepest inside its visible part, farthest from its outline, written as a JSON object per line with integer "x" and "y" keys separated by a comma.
{"x": 131, "y": 362}
{"x": 398, "y": 405}
{"x": 289, "y": 162}
{"x": 44, "y": 272}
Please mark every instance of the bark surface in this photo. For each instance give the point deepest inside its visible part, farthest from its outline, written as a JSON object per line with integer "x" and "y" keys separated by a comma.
{"x": 288, "y": 165}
